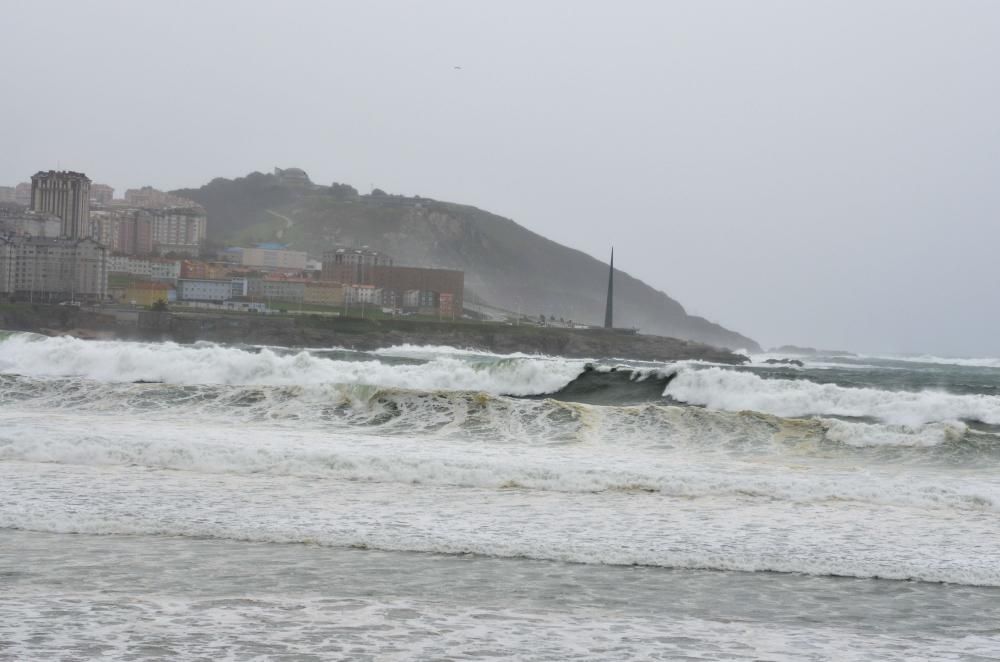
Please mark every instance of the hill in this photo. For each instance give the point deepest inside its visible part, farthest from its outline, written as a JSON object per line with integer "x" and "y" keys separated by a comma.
{"x": 505, "y": 264}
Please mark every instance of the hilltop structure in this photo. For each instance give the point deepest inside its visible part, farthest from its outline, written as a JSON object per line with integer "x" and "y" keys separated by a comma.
{"x": 295, "y": 177}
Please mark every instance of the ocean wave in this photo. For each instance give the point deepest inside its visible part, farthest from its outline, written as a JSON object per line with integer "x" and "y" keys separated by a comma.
{"x": 737, "y": 390}
{"x": 943, "y": 360}
{"x": 496, "y": 419}
{"x": 443, "y": 464}
{"x": 812, "y": 539}
{"x": 117, "y": 361}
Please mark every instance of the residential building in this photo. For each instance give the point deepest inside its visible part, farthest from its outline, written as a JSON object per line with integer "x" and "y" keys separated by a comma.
{"x": 211, "y": 290}
{"x": 124, "y": 230}
{"x": 356, "y": 295}
{"x": 411, "y": 299}
{"x": 64, "y": 194}
{"x": 148, "y": 197}
{"x": 47, "y": 269}
{"x": 352, "y": 265}
{"x": 438, "y": 281}
{"x": 271, "y": 258}
{"x": 292, "y": 290}
{"x": 8, "y": 262}
{"x": 31, "y": 224}
{"x": 101, "y": 194}
{"x": 152, "y": 268}
{"x": 179, "y": 230}
{"x": 210, "y": 270}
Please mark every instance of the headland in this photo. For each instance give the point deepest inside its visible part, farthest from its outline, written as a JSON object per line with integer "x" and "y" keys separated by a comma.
{"x": 351, "y": 333}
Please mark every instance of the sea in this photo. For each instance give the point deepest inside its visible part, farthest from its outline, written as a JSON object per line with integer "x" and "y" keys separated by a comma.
{"x": 212, "y": 502}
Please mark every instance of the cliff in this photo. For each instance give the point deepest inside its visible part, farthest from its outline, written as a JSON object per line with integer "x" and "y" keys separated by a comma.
{"x": 505, "y": 264}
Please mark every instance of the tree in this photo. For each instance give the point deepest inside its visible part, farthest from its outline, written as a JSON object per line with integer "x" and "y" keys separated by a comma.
{"x": 343, "y": 191}
{"x": 159, "y": 306}
{"x": 378, "y": 193}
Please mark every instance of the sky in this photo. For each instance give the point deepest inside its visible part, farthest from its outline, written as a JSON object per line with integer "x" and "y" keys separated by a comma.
{"x": 816, "y": 173}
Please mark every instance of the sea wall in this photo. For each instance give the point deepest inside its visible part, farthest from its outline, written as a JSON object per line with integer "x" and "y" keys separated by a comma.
{"x": 316, "y": 331}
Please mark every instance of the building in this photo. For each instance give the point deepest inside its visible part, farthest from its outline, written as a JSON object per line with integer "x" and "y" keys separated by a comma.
{"x": 150, "y": 268}
{"x": 8, "y": 194}
{"x": 53, "y": 270}
{"x": 148, "y": 197}
{"x": 64, "y": 194}
{"x": 285, "y": 289}
{"x": 101, "y": 194}
{"x": 435, "y": 281}
{"x": 31, "y": 224}
{"x": 8, "y": 261}
{"x": 352, "y": 265}
{"x": 22, "y": 194}
{"x": 356, "y": 295}
{"x": 124, "y": 230}
{"x": 211, "y": 290}
{"x": 179, "y": 230}
{"x": 274, "y": 258}
{"x": 147, "y": 293}
{"x": 292, "y": 177}
{"x": 321, "y": 293}
{"x": 209, "y": 270}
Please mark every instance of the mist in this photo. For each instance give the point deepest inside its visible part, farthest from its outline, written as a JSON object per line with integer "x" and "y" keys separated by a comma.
{"x": 819, "y": 174}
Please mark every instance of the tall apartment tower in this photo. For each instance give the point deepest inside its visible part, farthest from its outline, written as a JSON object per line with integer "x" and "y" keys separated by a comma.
{"x": 66, "y": 195}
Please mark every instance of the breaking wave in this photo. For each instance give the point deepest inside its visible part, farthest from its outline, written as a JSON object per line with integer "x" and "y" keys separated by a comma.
{"x": 735, "y": 391}
{"x": 943, "y": 360}
{"x": 116, "y": 361}
{"x": 457, "y": 464}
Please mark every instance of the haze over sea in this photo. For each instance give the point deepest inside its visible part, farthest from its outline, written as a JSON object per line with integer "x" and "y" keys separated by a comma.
{"x": 222, "y": 502}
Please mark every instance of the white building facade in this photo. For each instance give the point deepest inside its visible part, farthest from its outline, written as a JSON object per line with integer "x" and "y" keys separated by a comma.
{"x": 204, "y": 289}
{"x": 42, "y": 269}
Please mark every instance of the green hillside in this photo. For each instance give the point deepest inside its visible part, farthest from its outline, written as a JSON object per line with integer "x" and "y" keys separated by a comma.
{"x": 504, "y": 263}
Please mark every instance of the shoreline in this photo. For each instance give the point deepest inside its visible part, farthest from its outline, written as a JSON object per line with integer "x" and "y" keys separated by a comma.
{"x": 351, "y": 333}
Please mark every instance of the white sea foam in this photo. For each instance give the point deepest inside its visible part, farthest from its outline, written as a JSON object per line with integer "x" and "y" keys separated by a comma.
{"x": 115, "y": 361}
{"x": 455, "y": 463}
{"x": 870, "y": 434}
{"x": 735, "y": 391}
{"x": 408, "y": 350}
{"x": 725, "y": 533}
{"x": 944, "y": 360}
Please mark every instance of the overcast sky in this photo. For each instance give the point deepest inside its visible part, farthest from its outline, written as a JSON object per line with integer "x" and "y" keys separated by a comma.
{"x": 822, "y": 173}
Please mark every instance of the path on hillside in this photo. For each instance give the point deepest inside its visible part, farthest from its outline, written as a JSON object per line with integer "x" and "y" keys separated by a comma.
{"x": 288, "y": 222}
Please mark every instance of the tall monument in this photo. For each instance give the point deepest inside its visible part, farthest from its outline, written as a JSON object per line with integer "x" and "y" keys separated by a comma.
{"x": 609, "y": 310}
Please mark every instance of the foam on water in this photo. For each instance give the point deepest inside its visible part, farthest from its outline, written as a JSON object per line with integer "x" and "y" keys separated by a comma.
{"x": 187, "y": 599}
{"x": 946, "y": 361}
{"x": 213, "y": 364}
{"x": 450, "y": 461}
{"x": 613, "y": 528}
{"x": 734, "y": 391}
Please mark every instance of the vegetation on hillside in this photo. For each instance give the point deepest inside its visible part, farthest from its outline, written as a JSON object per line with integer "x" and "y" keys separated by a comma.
{"x": 504, "y": 263}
